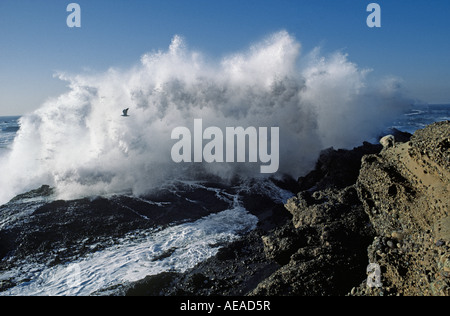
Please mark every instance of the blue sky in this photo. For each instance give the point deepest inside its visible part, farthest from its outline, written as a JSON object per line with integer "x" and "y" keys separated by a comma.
{"x": 35, "y": 42}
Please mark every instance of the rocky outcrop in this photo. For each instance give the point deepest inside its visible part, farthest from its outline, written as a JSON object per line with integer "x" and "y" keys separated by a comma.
{"x": 394, "y": 213}
{"x": 403, "y": 189}
{"x": 322, "y": 252}
{"x": 405, "y": 192}
{"x": 323, "y": 249}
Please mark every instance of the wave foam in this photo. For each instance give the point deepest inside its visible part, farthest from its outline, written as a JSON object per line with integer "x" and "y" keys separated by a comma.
{"x": 80, "y": 144}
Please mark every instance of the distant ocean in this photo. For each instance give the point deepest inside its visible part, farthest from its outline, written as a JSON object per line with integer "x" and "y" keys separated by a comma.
{"x": 9, "y": 125}
{"x": 421, "y": 116}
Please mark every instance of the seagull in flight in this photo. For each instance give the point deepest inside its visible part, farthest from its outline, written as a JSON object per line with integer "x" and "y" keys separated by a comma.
{"x": 125, "y": 112}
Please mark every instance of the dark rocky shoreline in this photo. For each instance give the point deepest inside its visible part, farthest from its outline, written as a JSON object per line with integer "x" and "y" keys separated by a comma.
{"x": 357, "y": 207}
{"x": 373, "y": 204}
{"x": 321, "y": 251}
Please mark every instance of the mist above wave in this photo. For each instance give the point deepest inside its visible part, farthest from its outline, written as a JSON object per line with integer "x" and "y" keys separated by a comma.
{"x": 80, "y": 144}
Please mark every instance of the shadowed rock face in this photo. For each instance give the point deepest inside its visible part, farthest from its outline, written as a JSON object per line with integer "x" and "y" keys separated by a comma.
{"x": 322, "y": 250}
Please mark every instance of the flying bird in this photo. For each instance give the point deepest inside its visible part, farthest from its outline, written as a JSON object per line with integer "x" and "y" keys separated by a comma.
{"x": 125, "y": 112}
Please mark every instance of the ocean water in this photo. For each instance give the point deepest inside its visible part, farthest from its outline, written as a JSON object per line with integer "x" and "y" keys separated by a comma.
{"x": 9, "y": 125}
{"x": 419, "y": 116}
{"x": 80, "y": 145}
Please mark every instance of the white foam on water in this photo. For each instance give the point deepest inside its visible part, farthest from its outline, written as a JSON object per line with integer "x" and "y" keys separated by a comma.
{"x": 134, "y": 258}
